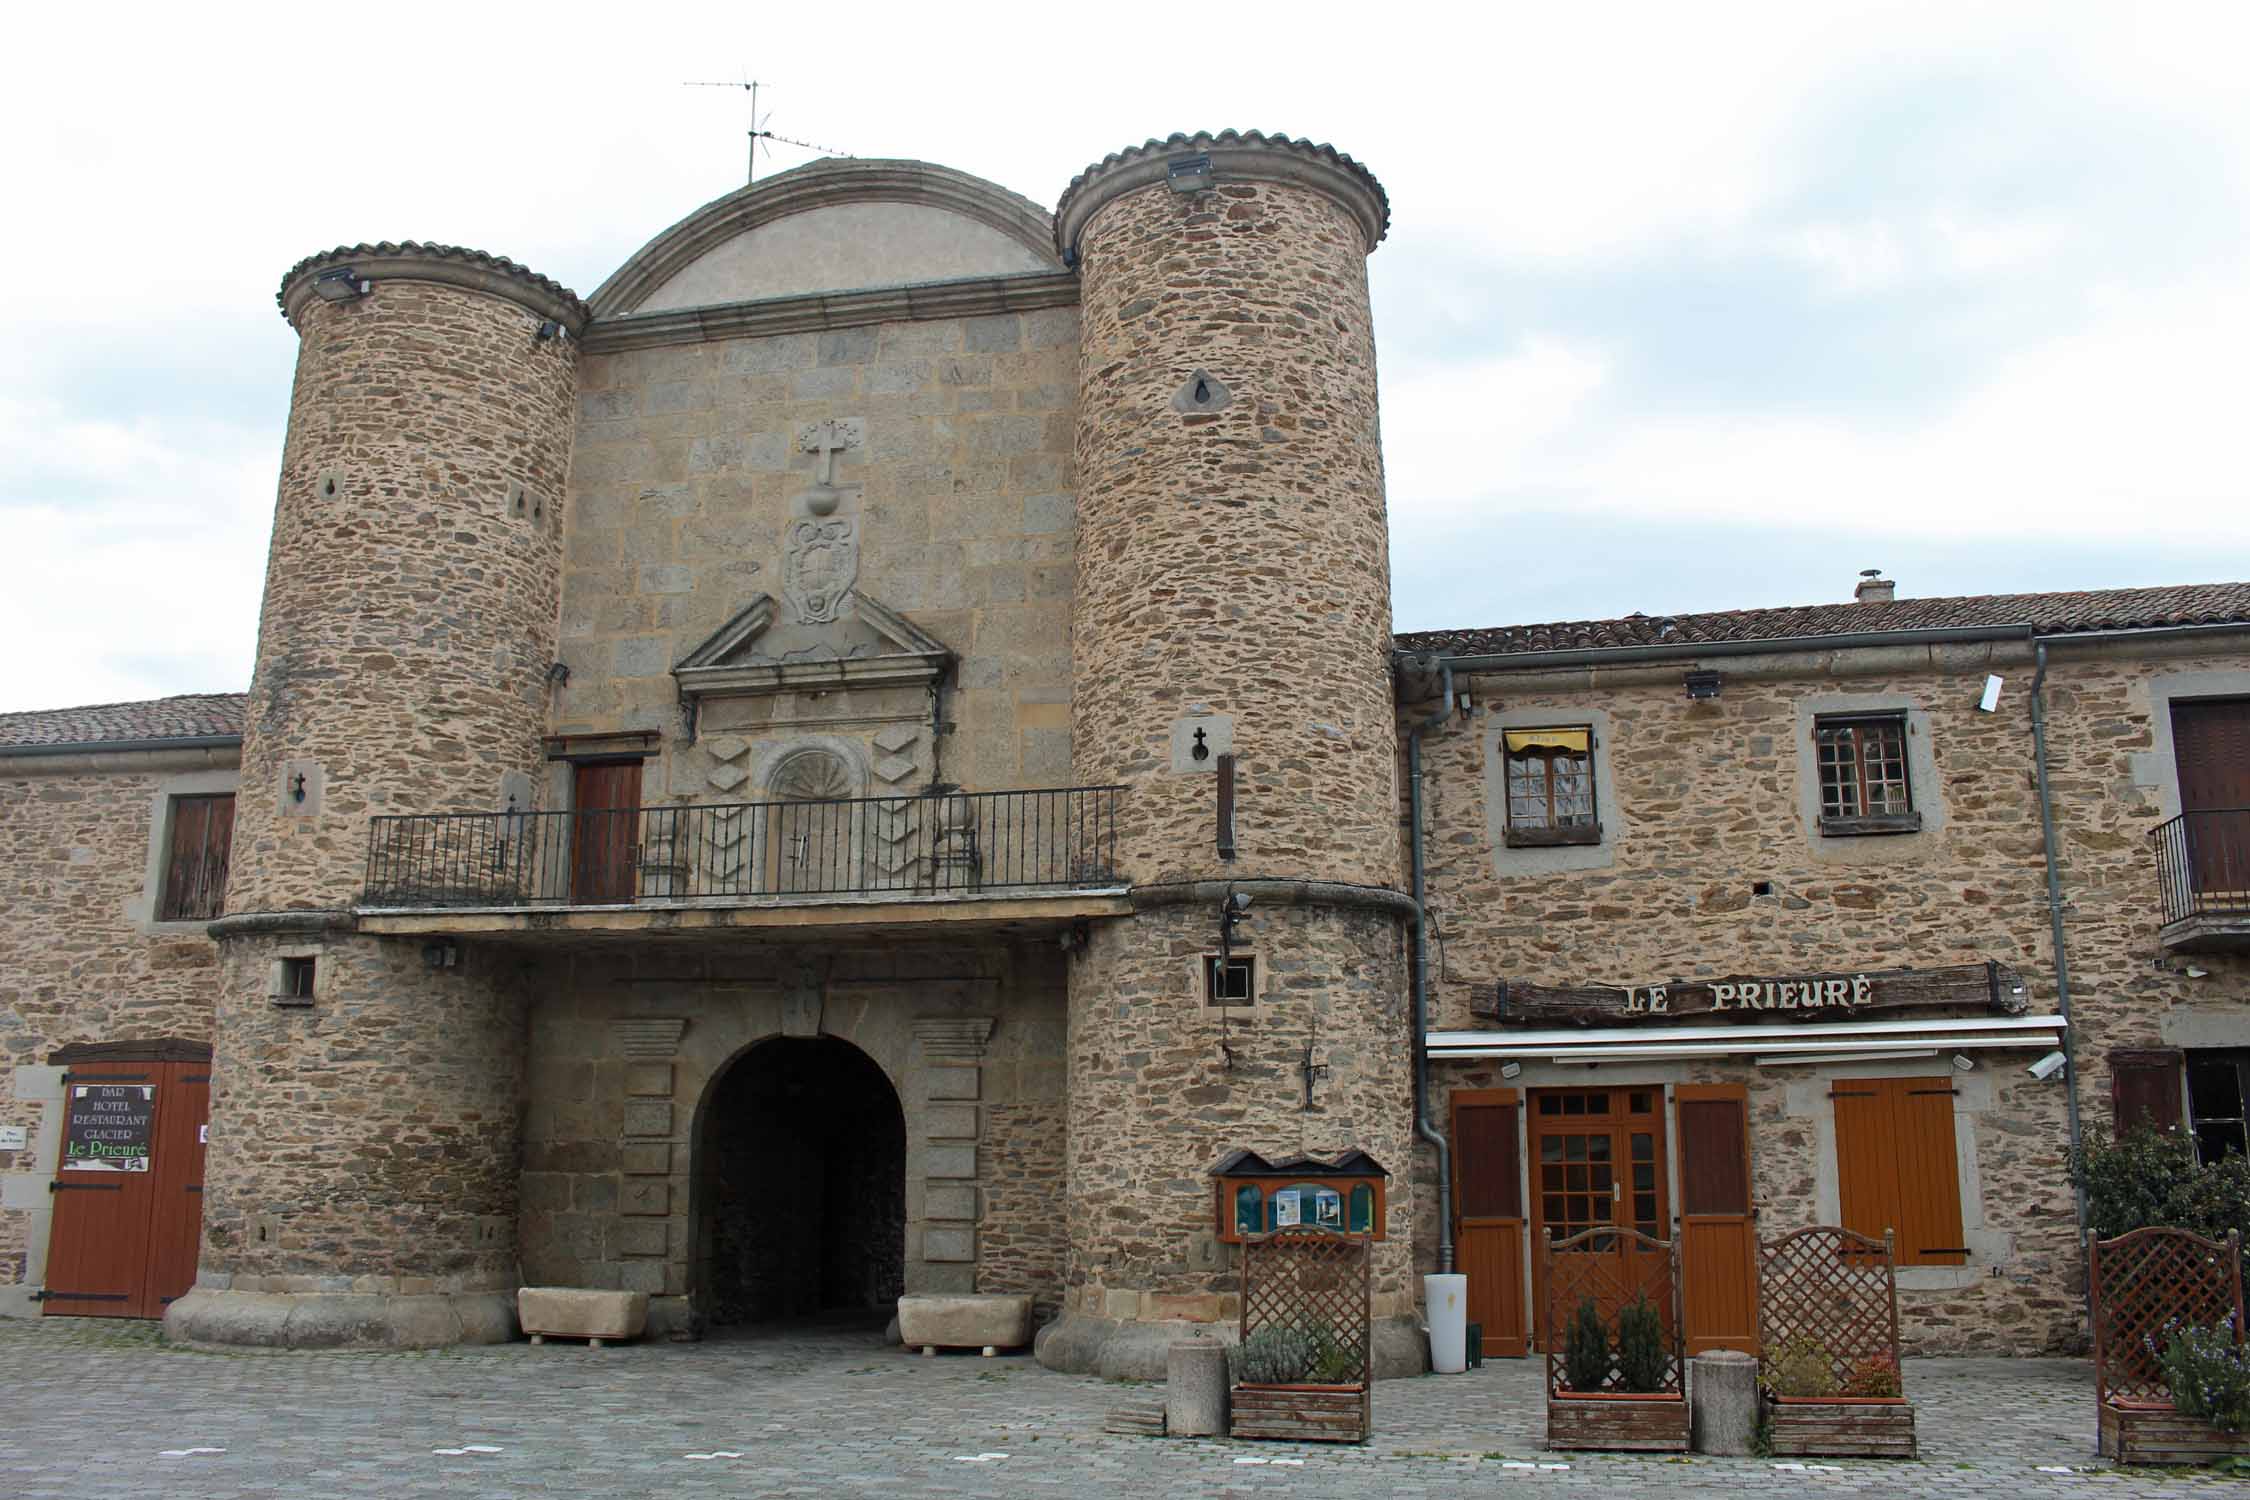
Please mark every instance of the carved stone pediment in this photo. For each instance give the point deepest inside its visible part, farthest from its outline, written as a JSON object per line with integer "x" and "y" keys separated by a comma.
{"x": 865, "y": 644}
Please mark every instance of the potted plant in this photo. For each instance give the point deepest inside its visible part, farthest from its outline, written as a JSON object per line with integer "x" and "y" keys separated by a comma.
{"x": 1816, "y": 1413}
{"x": 1620, "y": 1395}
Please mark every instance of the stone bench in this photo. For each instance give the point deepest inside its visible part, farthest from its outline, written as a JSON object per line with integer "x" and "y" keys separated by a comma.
{"x": 987, "y": 1321}
{"x": 581, "y": 1313}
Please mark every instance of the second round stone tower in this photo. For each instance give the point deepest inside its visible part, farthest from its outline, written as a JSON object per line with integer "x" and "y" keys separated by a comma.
{"x": 1231, "y": 638}
{"x": 361, "y": 1183}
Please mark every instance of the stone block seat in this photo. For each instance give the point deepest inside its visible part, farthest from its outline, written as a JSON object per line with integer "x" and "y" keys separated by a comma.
{"x": 581, "y": 1313}
{"x": 985, "y": 1321}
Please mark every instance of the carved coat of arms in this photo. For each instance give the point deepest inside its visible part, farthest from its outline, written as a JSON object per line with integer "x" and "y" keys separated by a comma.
{"x": 819, "y": 566}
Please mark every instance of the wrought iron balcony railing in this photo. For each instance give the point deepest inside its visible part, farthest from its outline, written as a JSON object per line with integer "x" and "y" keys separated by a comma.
{"x": 2203, "y": 864}
{"x": 906, "y": 847}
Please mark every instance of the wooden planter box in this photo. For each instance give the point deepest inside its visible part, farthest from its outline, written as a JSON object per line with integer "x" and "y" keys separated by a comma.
{"x": 2148, "y": 1432}
{"x": 1622, "y": 1421}
{"x": 1301, "y": 1413}
{"x": 1842, "y": 1426}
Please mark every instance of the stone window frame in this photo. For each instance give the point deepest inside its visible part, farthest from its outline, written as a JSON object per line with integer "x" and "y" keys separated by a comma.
{"x": 1612, "y": 826}
{"x": 1260, "y": 976}
{"x": 1899, "y": 844}
{"x": 2158, "y": 767}
{"x": 277, "y": 992}
{"x": 142, "y": 910}
{"x": 1860, "y": 822}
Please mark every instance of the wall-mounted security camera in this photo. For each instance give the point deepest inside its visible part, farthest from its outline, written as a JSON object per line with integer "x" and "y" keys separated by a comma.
{"x": 2048, "y": 1066}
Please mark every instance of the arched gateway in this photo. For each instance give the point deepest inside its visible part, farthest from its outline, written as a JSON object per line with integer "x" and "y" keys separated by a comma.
{"x": 800, "y": 1186}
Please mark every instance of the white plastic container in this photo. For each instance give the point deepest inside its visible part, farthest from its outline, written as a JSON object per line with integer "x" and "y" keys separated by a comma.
{"x": 1447, "y": 1298}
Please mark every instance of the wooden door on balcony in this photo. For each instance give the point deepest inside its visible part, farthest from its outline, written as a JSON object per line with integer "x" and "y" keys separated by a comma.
{"x": 2211, "y": 743}
{"x": 605, "y": 822}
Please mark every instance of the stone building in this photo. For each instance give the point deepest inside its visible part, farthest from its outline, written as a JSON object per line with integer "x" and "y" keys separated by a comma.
{"x": 868, "y": 756}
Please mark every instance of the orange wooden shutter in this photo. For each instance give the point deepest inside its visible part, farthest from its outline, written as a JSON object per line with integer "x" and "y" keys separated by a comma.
{"x": 1895, "y": 1165}
{"x": 1929, "y": 1177}
{"x": 2144, "y": 1088}
{"x": 1488, "y": 1214}
{"x": 1718, "y": 1231}
{"x": 1866, "y": 1180}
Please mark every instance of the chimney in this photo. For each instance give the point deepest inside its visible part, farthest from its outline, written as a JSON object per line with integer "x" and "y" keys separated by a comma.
{"x": 1874, "y": 588}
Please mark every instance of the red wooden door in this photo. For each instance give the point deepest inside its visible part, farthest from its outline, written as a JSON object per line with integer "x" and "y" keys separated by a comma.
{"x": 176, "y": 1224}
{"x": 1488, "y": 1214}
{"x": 2211, "y": 742}
{"x": 1598, "y": 1160}
{"x": 605, "y": 832}
{"x": 1718, "y": 1232}
{"x": 128, "y": 1189}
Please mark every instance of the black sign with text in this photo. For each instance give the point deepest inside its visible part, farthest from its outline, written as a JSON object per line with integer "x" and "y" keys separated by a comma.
{"x": 108, "y": 1127}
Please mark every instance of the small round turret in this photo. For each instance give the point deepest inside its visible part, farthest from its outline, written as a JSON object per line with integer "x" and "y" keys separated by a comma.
{"x": 362, "y": 1176}
{"x": 1231, "y": 625}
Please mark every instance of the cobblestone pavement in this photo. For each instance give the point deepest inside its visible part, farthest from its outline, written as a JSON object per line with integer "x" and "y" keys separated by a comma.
{"x": 97, "y": 1408}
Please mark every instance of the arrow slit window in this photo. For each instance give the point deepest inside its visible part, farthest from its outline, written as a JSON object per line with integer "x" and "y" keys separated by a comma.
{"x": 1550, "y": 786}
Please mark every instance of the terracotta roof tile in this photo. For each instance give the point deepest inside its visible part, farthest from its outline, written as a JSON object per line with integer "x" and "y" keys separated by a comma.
{"x": 2048, "y": 614}
{"x": 189, "y": 716}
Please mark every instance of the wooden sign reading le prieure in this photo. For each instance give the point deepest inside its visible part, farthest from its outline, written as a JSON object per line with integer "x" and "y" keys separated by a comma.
{"x": 1800, "y": 997}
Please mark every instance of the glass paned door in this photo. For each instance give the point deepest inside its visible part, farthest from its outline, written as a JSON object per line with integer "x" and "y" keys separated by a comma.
{"x": 1597, "y": 1162}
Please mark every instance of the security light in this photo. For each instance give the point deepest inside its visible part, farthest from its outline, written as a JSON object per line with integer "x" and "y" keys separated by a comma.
{"x": 1189, "y": 174}
{"x": 341, "y": 284}
{"x": 1703, "y": 684}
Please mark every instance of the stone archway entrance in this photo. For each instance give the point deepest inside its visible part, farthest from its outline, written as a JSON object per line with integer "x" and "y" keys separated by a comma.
{"x": 800, "y": 1186}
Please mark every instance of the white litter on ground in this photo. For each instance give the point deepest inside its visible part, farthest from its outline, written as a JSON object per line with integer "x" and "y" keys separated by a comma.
{"x": 187, "y": 1452}
{"x": 977, "y": 1458}
{"x": 466, "y": 1448}
{"x": 721, "y": 1453}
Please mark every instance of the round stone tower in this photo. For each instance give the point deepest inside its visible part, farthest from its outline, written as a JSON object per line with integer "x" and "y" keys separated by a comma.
{"x": 1231, "y": 637}
{"x": 361, "y": 1180}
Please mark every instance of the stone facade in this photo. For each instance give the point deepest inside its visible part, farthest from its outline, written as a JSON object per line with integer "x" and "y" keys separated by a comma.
{"x": 1088, "y": 515}
{"x": 1709, "y": 865}
{"x": 82, "y": 958}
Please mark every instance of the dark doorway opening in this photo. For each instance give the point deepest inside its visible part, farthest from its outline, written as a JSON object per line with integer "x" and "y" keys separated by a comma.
{"x": 803, "y": 1178}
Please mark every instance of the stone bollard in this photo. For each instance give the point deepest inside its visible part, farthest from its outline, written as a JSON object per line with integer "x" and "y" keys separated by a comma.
{"x": 1723, "y": 1402}
{"x": 1195, "y": 1389}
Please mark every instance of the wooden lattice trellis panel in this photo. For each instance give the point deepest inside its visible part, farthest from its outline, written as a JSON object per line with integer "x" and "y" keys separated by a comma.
{"x": 1615, "y": 1267}
{"x": 1306, "y": 1278}
{"x": 1834, "y": 1286}
{"x": 2146, "y": 1282}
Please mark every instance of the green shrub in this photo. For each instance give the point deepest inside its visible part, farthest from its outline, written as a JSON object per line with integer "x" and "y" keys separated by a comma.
{"x": 1642, "y": 1362}
{"x": 1586, "y": 1350}
{"x": 2150, "y": 1177}
{"x": 2208, "y": 1373}
{"x": 1276, "y": 1355}
{"x": 1801, "y": 1366}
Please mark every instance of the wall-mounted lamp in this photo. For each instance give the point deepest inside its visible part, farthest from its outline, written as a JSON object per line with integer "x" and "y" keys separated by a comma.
{"x": 1231, "y": 914}
{"x": 340, "y": 284}
{"x": 442, "y": 954}
{"x": 1703, "y": 684}
{"x": 1963, "y": 1063}
{"x": 297, "y": 788}
{"x": 1510, "y": 1070}
{"x": 548, "y": 329}
{"x": 1189, "y": 174}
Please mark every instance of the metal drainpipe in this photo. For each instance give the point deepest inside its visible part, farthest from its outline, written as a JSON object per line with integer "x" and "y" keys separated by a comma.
{"x": 2055, "y": 915}
{"x": 1422, "y": 1126}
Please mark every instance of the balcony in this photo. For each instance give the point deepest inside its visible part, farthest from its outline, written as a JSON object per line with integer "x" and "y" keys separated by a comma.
{"x": 1023, "y": 860}
{"x": 2203, "y": 872}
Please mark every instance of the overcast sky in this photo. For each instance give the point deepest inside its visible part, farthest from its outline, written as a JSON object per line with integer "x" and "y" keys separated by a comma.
{"x": 1684, "y": 307}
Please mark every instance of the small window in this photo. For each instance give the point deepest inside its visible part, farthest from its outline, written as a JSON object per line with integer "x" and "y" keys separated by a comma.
{"x": 1863, "y": 781}
{"x": 1550, "y": 782}
{"x": 1230, "y": 981}
{"x": 2217, "y": 1084}
{"x": 195, "y": 862}
{"x": 294, "y": 982}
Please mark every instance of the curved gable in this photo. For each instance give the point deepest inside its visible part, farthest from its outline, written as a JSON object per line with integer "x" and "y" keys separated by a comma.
{"x": 834, "y": 226}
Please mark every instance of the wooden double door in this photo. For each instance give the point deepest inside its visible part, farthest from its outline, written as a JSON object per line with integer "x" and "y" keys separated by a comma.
{"x": 1599, "y": 1158}
{"x": 128, "y": 1188}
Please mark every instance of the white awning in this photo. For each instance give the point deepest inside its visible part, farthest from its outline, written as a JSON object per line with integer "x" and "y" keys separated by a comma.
{"x": 1773, "y": 1046}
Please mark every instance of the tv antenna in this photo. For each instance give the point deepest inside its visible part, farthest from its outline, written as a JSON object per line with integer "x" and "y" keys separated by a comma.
{"x": 760, "y": 136}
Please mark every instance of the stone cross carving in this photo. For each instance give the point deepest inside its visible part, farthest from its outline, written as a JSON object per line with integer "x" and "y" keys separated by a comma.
{"x": 829, "y": 439}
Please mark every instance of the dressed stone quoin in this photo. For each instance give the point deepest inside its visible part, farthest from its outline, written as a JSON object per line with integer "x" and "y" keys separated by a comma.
{"x": 868, "y": 759}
